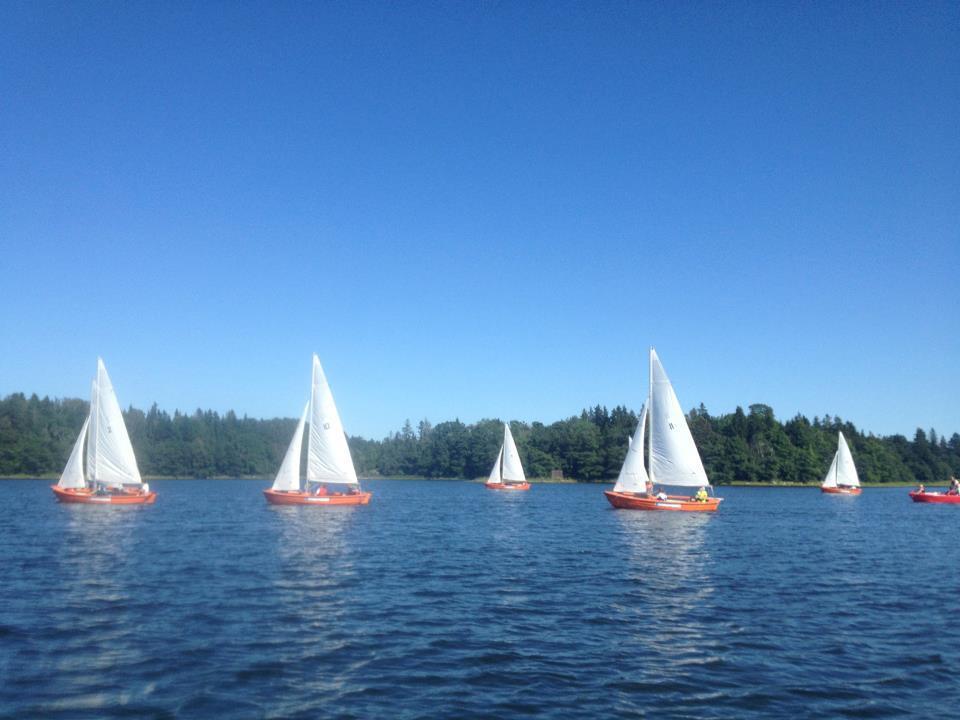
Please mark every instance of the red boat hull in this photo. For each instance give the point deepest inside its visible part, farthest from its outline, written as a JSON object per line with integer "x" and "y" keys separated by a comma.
{"x": 841, "y": 490}
{"x": 508, "y": 486}
{"x": 278, "y": 497}
{"x": 926, "y": 497}
{"x": 88, "y": 497}
{"x": 675, "y": 503}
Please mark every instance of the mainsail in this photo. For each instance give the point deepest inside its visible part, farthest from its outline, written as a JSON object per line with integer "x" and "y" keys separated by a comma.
{"x": 842, "y": 470}
{"x": 113, "y": 462}
{"x": 328, "y": 455}
{"x": 674, "y": 459}
{"x": 512, "y": 469}
{"x": 633, "y": 475}
{"x": 73, "y": 473}
{"x": 288, "y": 477}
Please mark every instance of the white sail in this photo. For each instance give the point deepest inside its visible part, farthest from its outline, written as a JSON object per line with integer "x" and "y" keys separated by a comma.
{"x": 92, "y": 437}
{"x": 512, "y": 468}
{"x": 288, "y": 477}
{"x": 115, "y": 463}
{"x": 674, "y": 459}
{"x": 846, "y": 470}
{"x": 495, "y": 478}
{"x": 633, "y": 476}
{"x": 328, "y": 455}
{"x": 830, "y": 481}
{"x": 842, "y": 470}
{"x": 73, "y": 473}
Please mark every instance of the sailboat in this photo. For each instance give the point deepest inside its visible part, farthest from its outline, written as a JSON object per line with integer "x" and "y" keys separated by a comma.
{"x": 507, "y": 472}
{"x": 331, "y": 478}
{"x": 842, "y": 476}
{"x": 673, "y": 457}
{"x": 112, "y": 476}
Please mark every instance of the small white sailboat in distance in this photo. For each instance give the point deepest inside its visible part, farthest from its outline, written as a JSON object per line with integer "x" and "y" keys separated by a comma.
{"x": 841, "y": 478}
{"x": 507, "y": 472}
{"x": 112, "y": 476}
{"x": 330, "y": 478}
{"x": 673, "y": 457}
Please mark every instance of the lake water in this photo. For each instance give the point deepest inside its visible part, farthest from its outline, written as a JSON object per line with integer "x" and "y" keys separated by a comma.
{"x": 443, "y": 599}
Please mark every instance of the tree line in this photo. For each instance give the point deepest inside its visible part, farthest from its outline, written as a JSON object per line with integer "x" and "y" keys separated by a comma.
{"x": 36, "y": 436}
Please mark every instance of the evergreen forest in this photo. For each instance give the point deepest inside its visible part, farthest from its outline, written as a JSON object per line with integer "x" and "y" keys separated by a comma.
{"x": 36, "y": 436}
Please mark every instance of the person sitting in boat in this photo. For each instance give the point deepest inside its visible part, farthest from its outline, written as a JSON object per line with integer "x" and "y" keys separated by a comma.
{"x": 661, "y": 495}
{"x": 322, "y": 490}
{"x": 921, "y": 489}
{"x": 352, "y": 490}
{"x": 650, "y": 488}
{"x": 954, "y": 486}
{"x": 701, "y": 495}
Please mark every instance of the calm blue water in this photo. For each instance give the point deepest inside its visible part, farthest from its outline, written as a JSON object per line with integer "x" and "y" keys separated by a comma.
{"x": 443, "y": 599}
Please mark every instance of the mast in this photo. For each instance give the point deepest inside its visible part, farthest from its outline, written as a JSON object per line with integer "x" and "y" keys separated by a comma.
{"x": 93, "y": 438}
{"x": 836, "y": 465}
{"x": 650, "y": 406}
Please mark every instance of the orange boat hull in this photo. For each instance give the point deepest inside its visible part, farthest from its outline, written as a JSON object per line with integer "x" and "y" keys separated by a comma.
{"x": 278, "y": 497}
{"x": 841, "y": 491}
{"x": 508, "y": 486}
{"x": 676, "y": 503}
{"x": 934, "y": 498}
{"x": 88, "y": 497}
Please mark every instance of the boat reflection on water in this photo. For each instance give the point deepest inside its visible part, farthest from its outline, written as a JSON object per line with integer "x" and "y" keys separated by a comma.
{"x": 314, "y": 583}
{"x": 314, "y": 553}
{"x": 667, "y": 611}
{"x": 96, "y": 556}
{"x": 669, "y": 552}
{"x": 98, "y": 613}
{"x": 508, "y": 522}
{"x": 505, "y": 558}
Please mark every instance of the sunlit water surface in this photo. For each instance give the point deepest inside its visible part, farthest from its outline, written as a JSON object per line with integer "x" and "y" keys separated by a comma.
{"x": 443, "y": 599}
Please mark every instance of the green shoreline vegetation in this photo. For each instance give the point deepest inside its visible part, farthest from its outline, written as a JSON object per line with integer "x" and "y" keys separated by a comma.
{"x": 750, "y": 448}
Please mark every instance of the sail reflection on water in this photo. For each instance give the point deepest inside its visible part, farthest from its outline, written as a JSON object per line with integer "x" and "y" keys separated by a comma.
{"x": 313, "y": 589}
{"x": 667, "y": 610}
{"x": 314, "y": 544}
{"x": 97, "y": 612}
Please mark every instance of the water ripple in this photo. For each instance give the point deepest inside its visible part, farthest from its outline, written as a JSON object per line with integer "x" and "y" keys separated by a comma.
{"x": 443, "y": 599}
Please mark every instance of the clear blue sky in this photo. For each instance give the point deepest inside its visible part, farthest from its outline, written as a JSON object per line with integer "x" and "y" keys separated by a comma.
{"x": 484, "y": 209}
